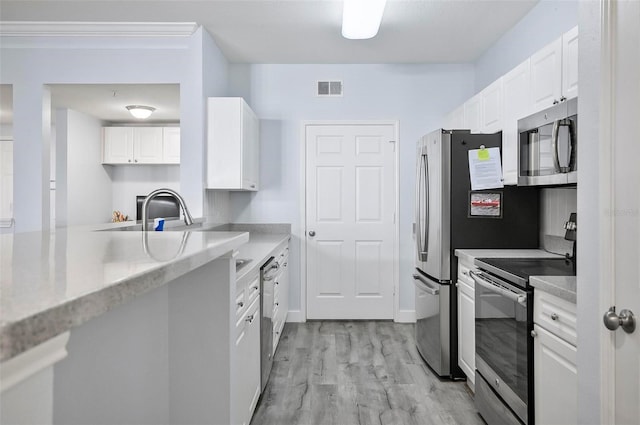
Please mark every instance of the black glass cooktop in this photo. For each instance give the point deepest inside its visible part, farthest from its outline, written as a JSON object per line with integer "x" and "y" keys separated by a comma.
{"x": 524, "y": 268}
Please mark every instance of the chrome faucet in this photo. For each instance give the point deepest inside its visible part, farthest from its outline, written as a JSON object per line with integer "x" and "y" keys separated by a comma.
{"x": 188, "y": 220}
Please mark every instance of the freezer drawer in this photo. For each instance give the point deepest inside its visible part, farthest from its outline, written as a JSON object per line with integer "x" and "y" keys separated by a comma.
{"x": 432, "y": 323}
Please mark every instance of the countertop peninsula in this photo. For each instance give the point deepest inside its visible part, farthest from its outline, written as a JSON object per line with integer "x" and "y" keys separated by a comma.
{"x": 51, "y": 282}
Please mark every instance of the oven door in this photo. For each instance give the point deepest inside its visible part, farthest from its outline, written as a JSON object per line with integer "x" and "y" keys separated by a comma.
{"x": 503, "y": 352}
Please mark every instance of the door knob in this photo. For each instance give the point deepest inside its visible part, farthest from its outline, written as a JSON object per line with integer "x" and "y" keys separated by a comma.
{"x": 626, "y": 320}
{"x": 312, "y": 233}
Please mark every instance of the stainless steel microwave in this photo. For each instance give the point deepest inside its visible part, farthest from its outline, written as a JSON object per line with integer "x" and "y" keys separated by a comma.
{"x": 548, "y": 146}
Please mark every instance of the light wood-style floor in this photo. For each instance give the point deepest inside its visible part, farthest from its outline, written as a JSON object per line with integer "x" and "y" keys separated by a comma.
{"x": 360, "y": 372}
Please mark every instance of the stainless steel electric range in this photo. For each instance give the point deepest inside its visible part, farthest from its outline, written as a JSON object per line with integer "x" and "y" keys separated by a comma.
{"x": 504, "y": 346}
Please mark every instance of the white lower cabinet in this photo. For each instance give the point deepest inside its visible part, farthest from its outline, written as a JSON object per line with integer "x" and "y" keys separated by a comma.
{"x": 555, "y": 372}
{"x": 466, "y": 321}
{"x": 280, "y": 295}
{"x": 246, "y": 358}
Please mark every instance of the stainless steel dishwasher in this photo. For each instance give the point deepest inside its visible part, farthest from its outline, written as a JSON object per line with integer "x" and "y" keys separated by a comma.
{"x": 267, "y": 273}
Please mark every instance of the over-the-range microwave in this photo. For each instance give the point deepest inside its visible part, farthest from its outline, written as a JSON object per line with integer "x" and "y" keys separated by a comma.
{"x": 548, "y": 146}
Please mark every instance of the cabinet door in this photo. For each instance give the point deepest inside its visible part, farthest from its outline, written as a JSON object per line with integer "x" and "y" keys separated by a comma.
{"x": 570, "y": 63}
{"x": 224, "y": 139}
{"x": 147, "y": 145}
{"x": 250, "y": 148}
{"x": 247, "y": 366}
{"x": 546, "y": 76}
{"x": 491, "y": 107}
{"x": 466, "y": 330}
{"x": 472, "y": 114}
{"x": 117, "y": 144}
{"x": 555, "y": 379}
{"x": 516, "y": 86}
{"x": 171, "y": 145}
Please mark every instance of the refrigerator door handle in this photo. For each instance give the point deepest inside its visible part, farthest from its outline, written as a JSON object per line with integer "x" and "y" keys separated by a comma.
{"x": 422, "y": 285}
{"x": 422, "y": 180}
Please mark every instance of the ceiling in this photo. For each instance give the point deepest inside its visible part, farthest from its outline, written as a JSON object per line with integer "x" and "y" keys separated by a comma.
{"x": 306, "y": 31}
{"x": 274, "y": 31}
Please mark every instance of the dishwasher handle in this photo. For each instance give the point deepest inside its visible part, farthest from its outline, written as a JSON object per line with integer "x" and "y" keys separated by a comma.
{"x": 423, "y": 285}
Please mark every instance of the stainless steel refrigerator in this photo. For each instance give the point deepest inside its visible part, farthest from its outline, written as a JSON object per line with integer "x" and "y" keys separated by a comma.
{"x": 445, "y": 220}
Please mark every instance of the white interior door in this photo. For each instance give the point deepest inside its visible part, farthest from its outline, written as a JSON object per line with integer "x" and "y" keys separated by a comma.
{"x": 626, "y": 206}
{"x": 350, "y": 215}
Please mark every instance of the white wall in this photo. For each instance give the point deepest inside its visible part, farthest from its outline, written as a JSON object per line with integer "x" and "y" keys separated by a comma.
{"x": 28, "y": 63}
{"x": 283, "y": 96}
{"x": 129, "y": 181}
{"x": 547, "y": 21}
{"x": 83, "y": 184}
{"x": 590, "y": 208}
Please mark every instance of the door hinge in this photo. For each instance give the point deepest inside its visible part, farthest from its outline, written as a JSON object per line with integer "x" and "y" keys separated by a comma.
{"x": 394, "y": 144}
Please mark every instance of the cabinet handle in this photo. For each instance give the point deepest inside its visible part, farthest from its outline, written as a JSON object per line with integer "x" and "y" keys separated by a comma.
{"x": 562, "y": 99}
{"x": 129, "y": 160}
{"x": 253, "y": 186}
{"x": 276, "y": 304}
{"x": 555, "y": 102}
{"x": 554, "y": 316}
{"x": 254, "y": 288}
{"x": 135, "y": 160}
{"x": 249, "y": 319}
{"x": 240, "y": 304}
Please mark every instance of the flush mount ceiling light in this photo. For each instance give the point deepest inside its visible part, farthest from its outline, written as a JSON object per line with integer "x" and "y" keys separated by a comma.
{"x": 139, "y": 111}
{"x": 361, "y": 18}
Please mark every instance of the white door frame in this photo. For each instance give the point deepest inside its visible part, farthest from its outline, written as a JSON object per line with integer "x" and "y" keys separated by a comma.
{"x": 303, "y": 209}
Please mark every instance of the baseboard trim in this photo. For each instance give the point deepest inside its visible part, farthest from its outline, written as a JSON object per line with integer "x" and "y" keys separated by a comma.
{"x": 405, "y": 316}
{"x": 296, "y": 316}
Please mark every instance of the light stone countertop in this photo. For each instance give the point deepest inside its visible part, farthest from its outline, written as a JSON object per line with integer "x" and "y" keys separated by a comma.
{"x": 53, "y": 281}
{"x": 564, "y": 287}
{"x": 258, "y": 250}
{"x": 471, "y": 254}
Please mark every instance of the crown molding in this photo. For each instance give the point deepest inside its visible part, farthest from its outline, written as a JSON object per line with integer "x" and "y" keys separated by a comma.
{"x": 97, "y": 29}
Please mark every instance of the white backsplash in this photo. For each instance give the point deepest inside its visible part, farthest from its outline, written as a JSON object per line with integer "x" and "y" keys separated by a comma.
{"x": 556, "y": 204}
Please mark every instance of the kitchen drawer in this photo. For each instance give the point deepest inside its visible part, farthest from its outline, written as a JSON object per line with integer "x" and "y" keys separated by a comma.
{"x": 555, "y": 315}
{"x": 253, "y": 289}
{"x": 241, "y": 304}
{"x": 248, "y": 316}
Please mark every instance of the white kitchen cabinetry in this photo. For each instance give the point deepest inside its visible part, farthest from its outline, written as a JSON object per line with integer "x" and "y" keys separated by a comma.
{"x": 554, "y": 72}
{"x": 570, "y": 63}
{"x": 232, "y": 145}
{"x": 171, "y": 145}
{"x": 517, "y": 104}
{"x": 491, "y": 110}
{"x": 472, "y": 114}
{"x": 554, "y": 350}
{"x": 246, "y": 371}
{"x": 280, "y": 295}
{"x": 466, "y": 321}
{"x": 140, "y": 145}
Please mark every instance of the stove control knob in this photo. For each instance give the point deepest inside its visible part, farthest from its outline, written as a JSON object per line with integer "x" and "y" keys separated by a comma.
{"x": 534, "y": 334}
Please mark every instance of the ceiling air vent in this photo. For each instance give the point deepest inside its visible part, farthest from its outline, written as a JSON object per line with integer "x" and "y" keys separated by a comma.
{"x": 329, "y": 88}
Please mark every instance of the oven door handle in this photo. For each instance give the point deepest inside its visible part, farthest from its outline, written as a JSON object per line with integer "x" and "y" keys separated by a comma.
{"x": 519, "y": 298}
{"x": 422, "y": 285}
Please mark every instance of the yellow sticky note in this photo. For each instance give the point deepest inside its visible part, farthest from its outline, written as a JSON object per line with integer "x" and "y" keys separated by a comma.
{"x": 483, "y": 154}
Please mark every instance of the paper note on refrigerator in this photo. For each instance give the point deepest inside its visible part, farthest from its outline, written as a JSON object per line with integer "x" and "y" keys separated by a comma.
{"x": 485, "y": 168}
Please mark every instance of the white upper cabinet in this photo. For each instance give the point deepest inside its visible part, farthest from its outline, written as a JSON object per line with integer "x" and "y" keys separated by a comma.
{"x": 546, "y": 76}
{"x": 171, "y": 145}
{"x": 147, "y": 145}
{"x": 140, "y": 145}
{"x": 232, "y": 145}
{"x": 554, "y": 72}
{"x": 491, "y": 108}
{"x": 516, "y": 105}
{"x": 472, "y": 114}
{"x": 570, "y": 63}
